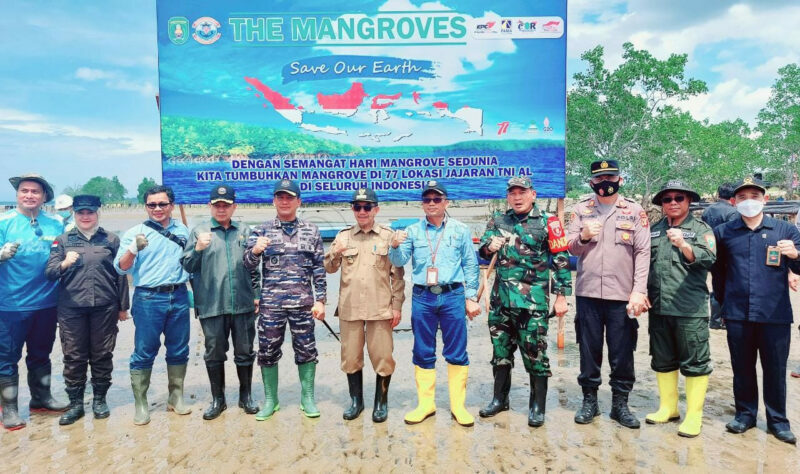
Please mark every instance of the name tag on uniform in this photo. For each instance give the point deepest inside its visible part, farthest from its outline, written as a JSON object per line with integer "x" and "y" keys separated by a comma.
{"x": 655, "y": 234}
{"x": 689, "y": 235}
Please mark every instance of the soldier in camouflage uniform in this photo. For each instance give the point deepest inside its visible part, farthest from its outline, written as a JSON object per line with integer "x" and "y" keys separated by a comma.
{"x": 289, "y": 251}
{"x": 528, "y": 243}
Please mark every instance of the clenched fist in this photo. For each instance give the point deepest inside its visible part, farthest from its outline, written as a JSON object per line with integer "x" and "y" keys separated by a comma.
{"x": 399, "y": 237}
{"x": 70, "y": 259}
{"x": 495, "y": 244}
{"x": 337, "y": 248}
{"x": 590, "y": 229}
{"x": 787, "y": 248}
{"x": 203, "y": 241}
{"x": 8, "y": 250}
{"x": 261, "y": 244}
{"x": 138, "y": 244}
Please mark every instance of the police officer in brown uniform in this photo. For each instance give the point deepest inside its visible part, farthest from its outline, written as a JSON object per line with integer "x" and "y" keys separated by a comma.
{"x": 371, "y": 295}
{"x": 611, "y": 236}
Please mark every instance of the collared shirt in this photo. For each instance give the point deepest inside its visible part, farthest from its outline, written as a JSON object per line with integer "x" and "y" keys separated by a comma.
{"x": 160, "y": 262}
{"x": 371, "y": 287}
{"x": 23, "y": 285}
{"x": 615, "y": 262}
{"x": 675, "y": 286}
{"x": 748, "y": 288}
{"x": 719, "y": 213}
{"x": 91, "y": 280}
{"x": 455, "y": 259}
{"x": 290, "y": 265}
{"x": 220, "y": 281}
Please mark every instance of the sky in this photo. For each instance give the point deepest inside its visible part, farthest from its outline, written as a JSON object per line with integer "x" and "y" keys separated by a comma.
{"x": 78, "y": 78}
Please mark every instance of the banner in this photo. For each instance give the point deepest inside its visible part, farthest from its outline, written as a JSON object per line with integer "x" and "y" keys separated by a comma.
{"x": 386, "y": 94}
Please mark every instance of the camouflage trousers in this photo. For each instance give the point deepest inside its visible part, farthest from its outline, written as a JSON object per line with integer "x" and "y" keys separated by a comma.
{"x": 272, "y": 328}
{"x": 512, "y": 327}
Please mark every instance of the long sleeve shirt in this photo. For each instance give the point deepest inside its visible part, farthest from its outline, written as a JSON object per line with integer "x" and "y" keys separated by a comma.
{"x": 615, "y": 262}
{"x": 371, "y": 287}
{"x": 160, "y": 262}
{"x": 455, "y": 258}
{"x": 220, "y": 281}
{"x": 748, "y": 288}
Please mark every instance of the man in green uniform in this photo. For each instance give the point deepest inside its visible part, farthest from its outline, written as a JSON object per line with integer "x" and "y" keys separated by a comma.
{"x": 682, "y": 251}
{"x": 528, "y": 244}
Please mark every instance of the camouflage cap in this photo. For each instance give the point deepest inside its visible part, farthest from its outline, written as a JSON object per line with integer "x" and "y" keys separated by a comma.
{"x": 519, "y": 182}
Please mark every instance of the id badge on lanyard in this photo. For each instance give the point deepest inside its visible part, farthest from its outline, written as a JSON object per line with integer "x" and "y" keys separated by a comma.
{"x": 432, "y": 274}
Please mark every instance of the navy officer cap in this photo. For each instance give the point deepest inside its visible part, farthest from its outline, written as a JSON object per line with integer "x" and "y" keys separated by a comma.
{"x": 286, "y": 186}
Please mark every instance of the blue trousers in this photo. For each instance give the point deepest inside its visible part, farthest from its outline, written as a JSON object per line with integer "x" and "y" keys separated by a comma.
{"x": 272, "y": 328}
{"x": 34, "y": 329}
{"x": 770, "y": 342}
{"x": 155, "y": 314}
{"x": 430, "y": 312}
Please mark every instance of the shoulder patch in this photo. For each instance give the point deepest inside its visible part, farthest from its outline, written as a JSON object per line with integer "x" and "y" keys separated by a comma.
{"x": 643, "y": 219}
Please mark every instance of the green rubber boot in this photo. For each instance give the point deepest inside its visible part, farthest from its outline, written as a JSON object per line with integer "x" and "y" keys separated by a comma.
{"x": 175, "y": 376}
{"x": 307, "y": 372}
{"x": 269, "y": 375}
{"x": 140, "y": 382}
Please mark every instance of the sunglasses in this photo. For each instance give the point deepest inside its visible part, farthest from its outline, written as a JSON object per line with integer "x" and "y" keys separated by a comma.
{"x": 669, "y": 199}
{"x": 37, "y": 229}
{"x": 155, "y": 205}
{"x": 363, "y": 207}
{"x": 436, "y": 200}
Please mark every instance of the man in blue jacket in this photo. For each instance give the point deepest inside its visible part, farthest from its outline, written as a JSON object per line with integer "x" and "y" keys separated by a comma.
{"x": 754, "y": 257}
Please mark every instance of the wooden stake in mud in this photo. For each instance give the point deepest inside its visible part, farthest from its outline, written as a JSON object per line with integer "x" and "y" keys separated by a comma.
{"x": 488, "y": 272}
{"x": 183, "y": 215}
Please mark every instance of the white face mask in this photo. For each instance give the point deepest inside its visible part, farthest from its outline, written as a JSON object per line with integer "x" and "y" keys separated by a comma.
{"x": 750, "y": 207}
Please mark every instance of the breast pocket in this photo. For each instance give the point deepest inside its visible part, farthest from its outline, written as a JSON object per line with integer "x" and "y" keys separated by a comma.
{"x": 381, "y": 254}
{"x": 624, "y": 233}
{"x": 306, "y": 250}
{"x": 350, "y": 256}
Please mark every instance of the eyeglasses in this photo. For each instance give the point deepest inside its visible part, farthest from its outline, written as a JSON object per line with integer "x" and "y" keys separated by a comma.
{"x": 604, "y": 177}
{"x": 37, "y": 229}
{"x": 362, "y": 207}
{"x": 669, "y": 199}
{"x": 155, "y": 205}
{"x": 436, "y": 200}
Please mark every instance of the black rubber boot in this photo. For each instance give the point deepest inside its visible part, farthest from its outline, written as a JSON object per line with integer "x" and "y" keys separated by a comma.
{"x": 538, "y": 400}
{"x": 246, "y": 402}
{"x": 75, "y": 411}
{"x": 355, "y": 383}
{"x": 380, "y": 410}
{"x": 9, "y": 389}
{"x": 99, "y": 406}
{"x": 620, "y": 412}
{"x": 589, "y": 410}
{"x": 41, "y": 398}
{"x": 502, "y": 385}
{"x": 216, "y": 375}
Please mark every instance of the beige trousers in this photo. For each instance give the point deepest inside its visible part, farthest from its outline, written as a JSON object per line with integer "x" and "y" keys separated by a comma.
{"x": 377, "y": 335}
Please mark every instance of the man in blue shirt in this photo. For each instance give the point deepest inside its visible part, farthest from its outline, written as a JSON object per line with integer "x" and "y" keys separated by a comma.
{"x": 151, "y": 252}
{"x": 445, "y": 276}
{"x": 755, "y": 254}
{"x": 28, "y": 300}
{"x": 715, "y": 215}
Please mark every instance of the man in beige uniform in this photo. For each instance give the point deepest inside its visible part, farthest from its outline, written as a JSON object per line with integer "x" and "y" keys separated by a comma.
{"x": 370, "y": 298}
{"x": 611, "y": 236}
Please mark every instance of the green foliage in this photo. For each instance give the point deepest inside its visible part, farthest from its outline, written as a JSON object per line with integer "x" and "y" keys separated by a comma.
{"x": 109, "y": 190}
{"x": 779, "y": 125}
{"x": 146, "y": 184}
{"x": 185, "y": 137}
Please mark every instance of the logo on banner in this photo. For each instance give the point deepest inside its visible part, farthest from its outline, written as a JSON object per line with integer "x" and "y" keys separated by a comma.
{"x": 485, "y": 27}
{"x": 505, "y": 26}
{"x": 526, "y": 26}
{"x": 206, "y": 30}
{"x": 552, "y": 26}
{"x": 178, "y": 29}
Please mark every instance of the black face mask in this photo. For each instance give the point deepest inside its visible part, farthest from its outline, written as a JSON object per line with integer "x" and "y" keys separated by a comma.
{"x": 605, "y": 188}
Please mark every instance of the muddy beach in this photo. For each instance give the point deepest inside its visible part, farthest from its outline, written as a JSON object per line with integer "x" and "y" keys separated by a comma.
{"x": 236, "y": 442}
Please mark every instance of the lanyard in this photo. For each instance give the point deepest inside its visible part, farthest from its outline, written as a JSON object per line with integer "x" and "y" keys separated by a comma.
{"x": 439, "y": 241}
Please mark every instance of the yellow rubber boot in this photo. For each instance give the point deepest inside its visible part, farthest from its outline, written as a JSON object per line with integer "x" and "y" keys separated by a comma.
{"x": 695, "y": 399}
{"x": 668, "y": 404}
{"x": 457, "y": 380}
{"x": 426, "y": 392}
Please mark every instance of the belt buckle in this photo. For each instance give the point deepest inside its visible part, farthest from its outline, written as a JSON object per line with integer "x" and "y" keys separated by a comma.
{"x": 436, "y": 289}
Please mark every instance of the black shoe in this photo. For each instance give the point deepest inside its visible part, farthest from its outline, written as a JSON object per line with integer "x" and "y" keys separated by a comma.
{"x": 380, "y": 411}
{"x": 502, "y": 385}
{"x": 75, "y": 411}
{"x": 355, "y": 383}
{"x": 537, "y": 401}
{"x": 620, "y": 412}
{"x": 216, "y": 375}
{"x": 246, "y": 402}
{"x": 716, "y": 325}
{"x": 9, "y": 388}
{"x": 784, "y": 435}
{"x": 99, "y": 405}
{"x": 41, "y": 398}
{"x": 589, "y": 410}
{"x": 739, "y": 427}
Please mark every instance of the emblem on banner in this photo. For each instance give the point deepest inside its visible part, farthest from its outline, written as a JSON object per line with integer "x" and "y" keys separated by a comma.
{"x": 206, "y": 30}
{"x": 178, "y": 29}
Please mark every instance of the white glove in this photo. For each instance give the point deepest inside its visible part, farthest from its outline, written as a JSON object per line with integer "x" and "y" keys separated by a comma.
{"x": 8, "y": 250}
{"x": 139, "y": 243}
